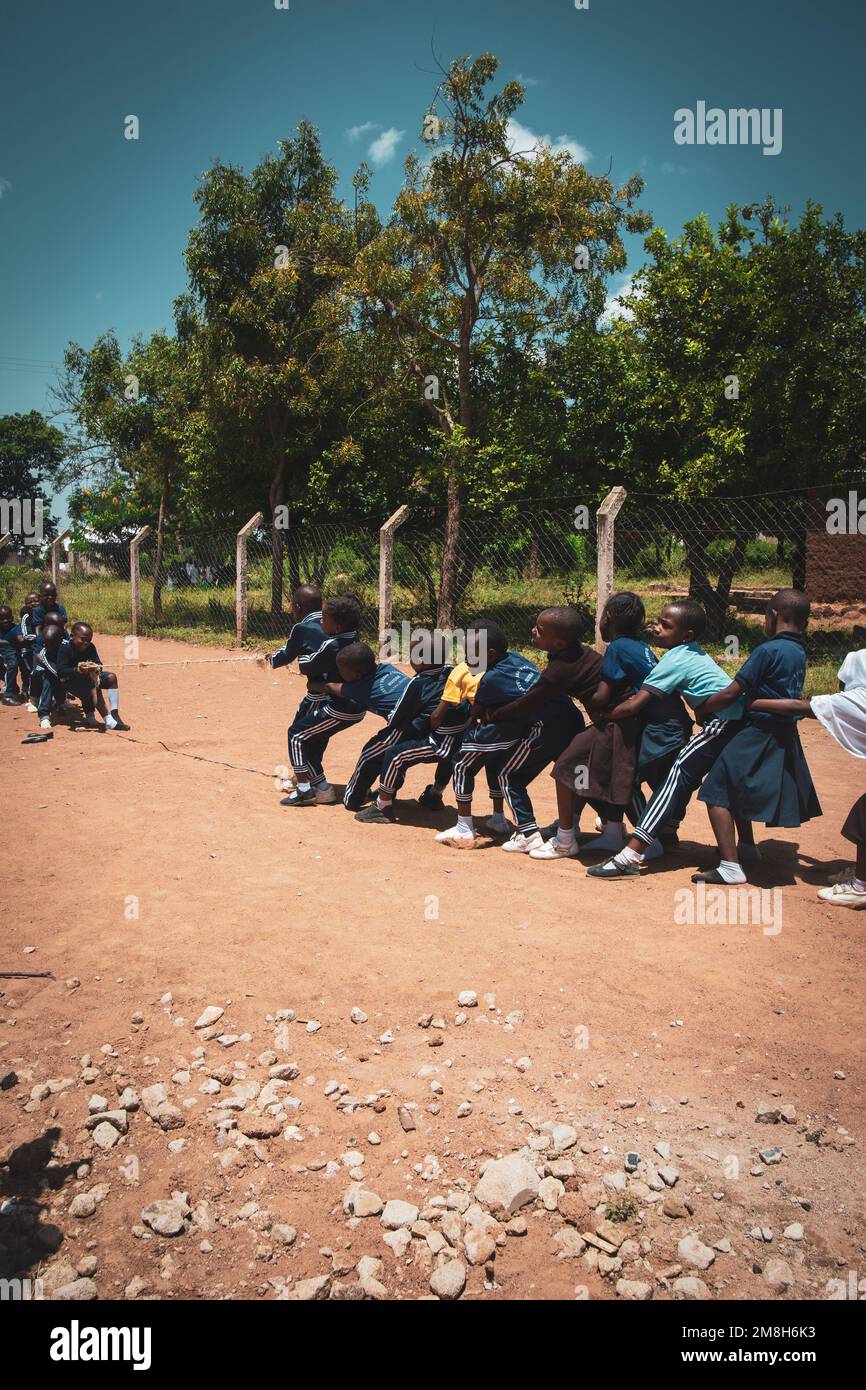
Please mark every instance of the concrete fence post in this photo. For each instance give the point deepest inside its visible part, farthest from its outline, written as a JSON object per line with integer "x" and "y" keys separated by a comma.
{"x": 386, "y": 571}
{"x": 605, "y": 521}
{"x": 5, "y": 539}
{"x": 55, "y": 557}
{"x": 241, "y": 599}
{"x": 135, "y": 578}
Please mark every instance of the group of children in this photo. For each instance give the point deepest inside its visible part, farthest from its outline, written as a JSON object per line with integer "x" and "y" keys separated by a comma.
{"x": 54, "y": 662}
{"x": 635, "y": 755}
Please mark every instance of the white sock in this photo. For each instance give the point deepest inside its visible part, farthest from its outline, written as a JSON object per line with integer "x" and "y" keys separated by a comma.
{"x": 382, "y": 804}
{"x": 627, "y": 856}
{"x": 303, "y": 786}
{"x": 110, "y": 722}
{"x": 466, "y": 823}
{"x": 731, "y": 872}
{"x": 565, "y": 837}
{"x": 858, "y": 885}
{"x": 113, "y": 698}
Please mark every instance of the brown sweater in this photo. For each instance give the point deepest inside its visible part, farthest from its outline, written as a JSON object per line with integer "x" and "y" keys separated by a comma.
{"x": 576, "y": 671}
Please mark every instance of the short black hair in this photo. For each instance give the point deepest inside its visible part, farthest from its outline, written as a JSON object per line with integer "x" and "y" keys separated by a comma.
{"x": 308, "y": 597}
{"x": 4, "y": 608}
{"x": 81, "y": 627}
{"x": 627, "y": 612}
{"x": 694, "y": 617}
{"x": 496, "y": 637}
{"x": 345, "y": 609}
{"x": 50, "y": 631}
{"x": 567, "y": 623}
{"x": 359, "y": 657}
{"x": 792, "y": 605}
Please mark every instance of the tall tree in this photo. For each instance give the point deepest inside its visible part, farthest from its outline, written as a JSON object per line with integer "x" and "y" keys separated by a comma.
{"x": 31, "y": 456}
{"x": 481, "y": 236}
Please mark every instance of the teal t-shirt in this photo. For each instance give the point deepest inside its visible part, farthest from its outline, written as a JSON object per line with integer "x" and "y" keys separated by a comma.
{"x": 689, "y": 671}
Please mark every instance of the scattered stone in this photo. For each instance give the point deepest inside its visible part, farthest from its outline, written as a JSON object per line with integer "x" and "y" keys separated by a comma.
{"x": 794, "y": 1231}
{"x": 165, "y": 1217}
{"x": 308, "y": 1290}
{"x": 79, "y": 1291}
{"x": 398, "y": 1214}
{"x": 359, "y": 1201}
{"x": 82, "y": 1206}
{"x": 449, "y": 1280}
{"x": 507, "y": 1184}
{"x": 634, "y": 1289}
{"x": 550, "y": 1190}
{"x": 692, "y": 1251}
{"x": 357, "y": 1015}
{"x": 8, "y": 1078}
{"x": 210, "y": 1015}
{"x": 105, "y": 1136}
{"x": 260, "y": 1126}
{"x": 467, "y": 999}
{"x": 398, "y": 1241}
{"x": 406, "y": 1120}
{"x": 690, "y": 1287}
{"x": 767, "y": 1114}
{"x": 479, "y": 1245}
{"x": 778, "y": 1274}
{"x": 669, "y": 1176}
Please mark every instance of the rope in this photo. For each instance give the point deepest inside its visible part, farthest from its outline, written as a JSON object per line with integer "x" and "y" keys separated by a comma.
{"x": 191, "y": 661}
{"x": 196, "y": 757}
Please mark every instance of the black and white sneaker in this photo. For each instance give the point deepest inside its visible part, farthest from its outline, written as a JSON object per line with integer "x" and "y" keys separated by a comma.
{"x": 374, "y": 815}
{"x": 296, "y": 798}
{"x": 431, "y": 799}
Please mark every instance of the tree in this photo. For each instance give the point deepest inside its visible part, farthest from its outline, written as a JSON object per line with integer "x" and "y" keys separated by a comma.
{"x": 482, "y": 237}
{"x": 267, "y": 262}
{"x": 31, "y": 454}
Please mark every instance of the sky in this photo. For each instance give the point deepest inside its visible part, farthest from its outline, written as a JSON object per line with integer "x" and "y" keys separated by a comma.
{"x": 93, "y": 225}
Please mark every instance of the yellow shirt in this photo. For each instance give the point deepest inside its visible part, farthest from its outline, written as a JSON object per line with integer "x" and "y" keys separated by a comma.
{"x": 461, "y": 684}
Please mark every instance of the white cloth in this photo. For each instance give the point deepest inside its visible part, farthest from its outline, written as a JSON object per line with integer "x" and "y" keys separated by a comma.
{"x": 844, "y": 715}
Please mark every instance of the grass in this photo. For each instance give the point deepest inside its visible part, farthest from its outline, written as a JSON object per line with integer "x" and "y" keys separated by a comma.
{"x": 206, "y": 615}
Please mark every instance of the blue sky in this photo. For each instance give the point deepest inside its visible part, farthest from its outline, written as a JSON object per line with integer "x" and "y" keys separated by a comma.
{"x": 92, "y": 226}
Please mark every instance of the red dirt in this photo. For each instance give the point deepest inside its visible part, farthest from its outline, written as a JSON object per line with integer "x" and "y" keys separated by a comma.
{"x": 241, "y": 900}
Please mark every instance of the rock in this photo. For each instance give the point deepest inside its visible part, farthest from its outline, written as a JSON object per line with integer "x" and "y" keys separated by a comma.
{"x": 794, "y": 1231}
{"x": 467, "y": 999}
{"x": 359, "y": 1201}
{"x": 692, "y": 1251}
{"x": 159, "y": 1108}
{"x": 564, "y": 1137}
{"x": 479, "y": 1245}
{"x": 677, "y": 1211}
{"x": 690, "y": 1287}
{"x": 369, "y": 1271}
{"x": 105, "y": 1136}
{"x": 767, "y": 1114}
{"x": 8, "y": 1078}
{"x": 663, "y": 1150}
{"x": 398, "y": 1241}
{"x": 260, "y": 1126}
{"x": 449, "y": 1280}
{"x": 210, "y": 1015}
{"x": 96, "y": 1104}
{"x": 284, "y": 1071}
{"x": 82, "y": 1206}
{"x": 135, "y": 1286}
{"x": 627, "y": 1103}
{"x": 550, "y": 1190}
{"x": 778, "y": 1274}
{"x": 308, "y": 1290}
{"x": 669, "y": 1176}
{"x": 118, "y": 1118}
{"x": 79, "y": 1291}
{"x": 634, "y": 1289}
{"x": 770, "y": 1156}
{"x": 405, "y": 1118}
{"x": 357, "y": 1015}
{"x": 164, "y": 1216}
{"x": 507, "y": 1184}
{"x": 397, "y": 1214}
{"x": 87, "y": 1266}
{"x": 283, "y": 1235}
{"x": 569, "y": 1242}
{"x": 789, "y": 1114}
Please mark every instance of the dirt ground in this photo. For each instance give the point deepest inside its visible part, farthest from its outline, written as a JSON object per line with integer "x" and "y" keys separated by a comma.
{"x": 160, "y": 863}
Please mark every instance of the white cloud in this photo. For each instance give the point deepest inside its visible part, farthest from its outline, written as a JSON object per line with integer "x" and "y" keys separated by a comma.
{"x": 521, "y": 138}
{"x": 668, "y": 168}
{"x": 356, "y": 131}
{"x": 528, "y": 81}
{"x": 612, "y": 307}
{"x": 5, "y": 186}
{"x": 384, "y": 146}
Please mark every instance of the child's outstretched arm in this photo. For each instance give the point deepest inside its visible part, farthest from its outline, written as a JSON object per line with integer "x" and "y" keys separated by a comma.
{"x": 791, "y": 708}
{"x": 633, "y": 705}
{"x": 439, "y": 713}
{"x": 721, "y": 700}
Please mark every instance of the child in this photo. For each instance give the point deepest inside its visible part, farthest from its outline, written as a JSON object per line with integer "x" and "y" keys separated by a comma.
{"x": 422, "y": 699}
{"x": 761, "y": 773}
{"x": 684, "y": 669}
{"x": 80, "y": 672}
{"x": 572, "y": 670}
{"x": 493, "y": 742}
{"x": 45, "y": 686}
{"x": 377, "y": 687}
{"x": 844, "y": 717}
{"x": 310, "y": 733}
{"x": 305, "y": 639}
{"x": 10, "y": 649}
{"x": 608, "y": 751}
{"x": 25, "y": 654}
{"x": 47, "y": 603}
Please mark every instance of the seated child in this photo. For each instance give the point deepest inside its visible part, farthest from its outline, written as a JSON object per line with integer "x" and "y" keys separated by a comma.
{"x": 551, "y": 721}
{"x": 377, "y": 687}
{"x": 420, "y": 742}
{"x": 80, "y": 673}
{"x": 493, "y": 742}
{"x": 598, "y": 768}
{"x": 761, "y": 774}
{"x": 311, "y": 732}
{"x": 25, "y": 654}
{"x": 10, "y": 650}
{"x": 47, "y": 603}
{"x": 684, "y": 669}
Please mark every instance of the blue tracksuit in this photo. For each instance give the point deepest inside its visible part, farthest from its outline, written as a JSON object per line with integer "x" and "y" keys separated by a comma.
{"x": 420, "y": 744}
{"x": 381, "y": 693}
{"x": 311, "y": 732}
{"x": 487, "y": 744}
{"x": 9, "y": 658}
{"x": 305, "y": 639}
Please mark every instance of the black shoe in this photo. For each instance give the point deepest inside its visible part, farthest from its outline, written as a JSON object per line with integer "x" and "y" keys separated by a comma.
{"x": 297, "y": 798}
{"x": 11, "y": 699}
{"x": 374, "y": 815}
{"x": 431, "y": 799}
{"x": 119, "y": 724}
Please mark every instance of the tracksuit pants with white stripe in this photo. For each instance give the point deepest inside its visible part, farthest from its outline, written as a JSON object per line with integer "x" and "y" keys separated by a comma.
{"x": 502, "y": 751}
{"x": 435, "y": 748}
{"x": 668, "y": 804}
{"x": 542, "y": 745}
{"x": 369, "y": 765}
{"x": 310, "y": 735}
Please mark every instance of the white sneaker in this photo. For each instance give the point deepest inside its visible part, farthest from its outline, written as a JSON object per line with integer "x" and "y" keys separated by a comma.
{"x": 554, "y": 849}
{"x": 654, "y": 850}
{"x": 842, "y": 895}
{"x": 31, "y": 708}
{"x": 524, "y": 844}
{"x": 498, "y": 825}
{"x": 457, "y": 837}
{"x": 45, "y": 723}
{"x": 610, "y": 841}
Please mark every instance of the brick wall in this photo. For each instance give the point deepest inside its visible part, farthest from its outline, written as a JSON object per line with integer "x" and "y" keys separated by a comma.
{"x": 835, "y": 567}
